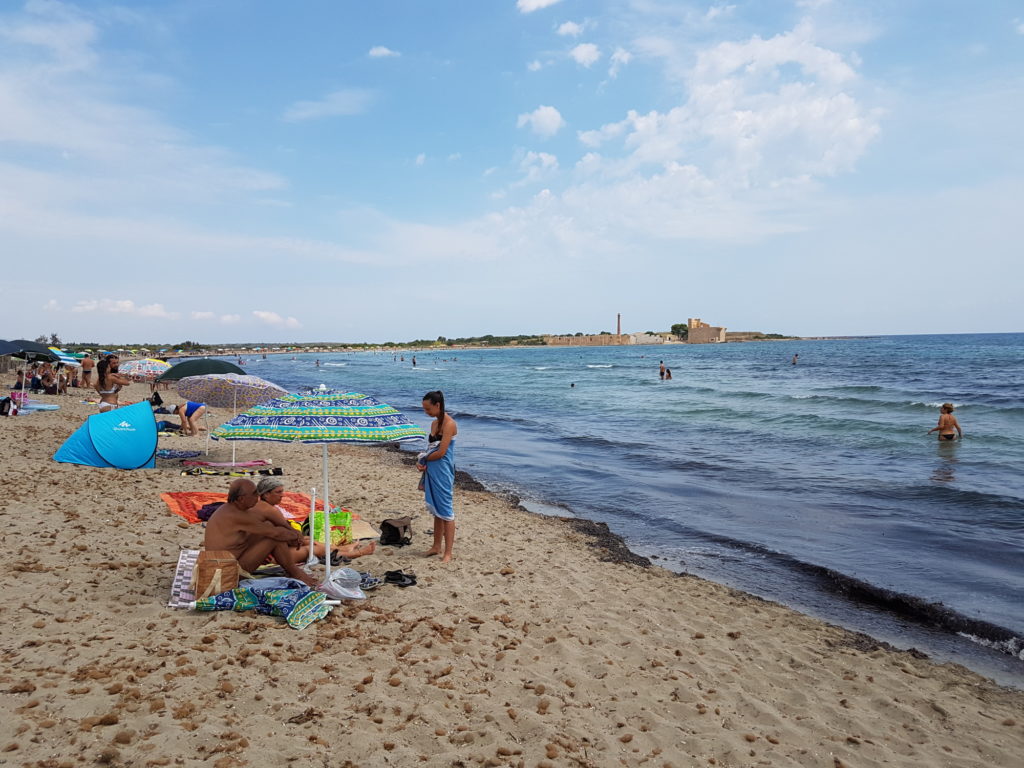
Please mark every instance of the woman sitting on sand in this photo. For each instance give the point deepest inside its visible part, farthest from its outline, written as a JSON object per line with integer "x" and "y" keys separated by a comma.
{"x": 438, "y": 468}
{"x": 109, "y": 382}
{"x": 271, "y": 492}
{"x": 947, "y": 424}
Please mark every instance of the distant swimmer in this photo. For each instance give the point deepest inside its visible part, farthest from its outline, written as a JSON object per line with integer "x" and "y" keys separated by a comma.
{"x": 317, "y": 363}
{"x": 661, "y": 369}
{"x": 414, "y": 361}
{"x": 948, "y": 427}
{"x": 572, "y": 385}
{"x": 795, "y": 358}
{"x": 668, "y": 374}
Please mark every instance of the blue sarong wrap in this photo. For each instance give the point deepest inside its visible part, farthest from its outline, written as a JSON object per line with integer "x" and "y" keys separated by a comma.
{"x": 439, "y": 484}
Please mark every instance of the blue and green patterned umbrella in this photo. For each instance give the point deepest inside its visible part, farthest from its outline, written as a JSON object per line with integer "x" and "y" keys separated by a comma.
{"x": 321, "y": 416}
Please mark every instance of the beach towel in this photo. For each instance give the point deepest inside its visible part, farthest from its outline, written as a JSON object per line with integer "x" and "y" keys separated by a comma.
{"x": 294, "y": 506}
{"x": 439, "y": 483}
{"x": 299, "y": 607}
{"x": 253, "y": 463}
{"x": 171, "y": 453}
{"x": 231, "y": 472}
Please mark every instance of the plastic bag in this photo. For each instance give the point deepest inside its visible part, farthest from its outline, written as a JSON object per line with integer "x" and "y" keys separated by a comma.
{"x": 341, "y": 526}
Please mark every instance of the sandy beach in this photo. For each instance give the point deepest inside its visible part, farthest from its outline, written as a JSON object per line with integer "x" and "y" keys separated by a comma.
{"x": 545, "y": 643}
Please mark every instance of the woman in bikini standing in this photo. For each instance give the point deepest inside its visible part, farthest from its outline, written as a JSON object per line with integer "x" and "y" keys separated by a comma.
{"x": 438, "y": 468}
{"x": 109, "y": 382}
{"x": 948, "y": 427}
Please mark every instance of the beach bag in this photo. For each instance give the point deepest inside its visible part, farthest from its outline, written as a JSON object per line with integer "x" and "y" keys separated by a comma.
{"x": 341, "y": 526}
{"x": 396, "y": 532}
{"x": 8, "y": 407}
{"x": 216, "y": 571}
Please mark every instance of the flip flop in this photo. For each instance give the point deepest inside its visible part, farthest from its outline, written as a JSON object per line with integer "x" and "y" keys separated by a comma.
{"x": 400, "y": 579}
{"x": 338, "y": 559}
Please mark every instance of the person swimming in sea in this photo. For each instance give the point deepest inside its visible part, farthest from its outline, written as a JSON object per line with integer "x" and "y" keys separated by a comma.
{"x": 948, "y": 427}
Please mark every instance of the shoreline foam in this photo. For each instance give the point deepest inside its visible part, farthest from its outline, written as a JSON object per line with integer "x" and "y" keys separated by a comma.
{"x": 529, "y": 649}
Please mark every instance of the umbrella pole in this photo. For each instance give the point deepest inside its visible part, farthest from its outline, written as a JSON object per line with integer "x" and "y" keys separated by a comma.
{"x": 311, "y": 557}
{"x": 234, "y": 412}
{"x": 327, "y": 519}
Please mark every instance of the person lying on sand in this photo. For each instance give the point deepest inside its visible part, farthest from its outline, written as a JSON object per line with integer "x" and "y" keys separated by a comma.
{"x": 271, "y": 491}
{"x": 251, "y": 535}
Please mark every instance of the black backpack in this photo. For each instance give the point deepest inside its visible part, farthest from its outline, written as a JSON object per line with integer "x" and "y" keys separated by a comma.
{"x": 396, "y": 532}
{"x": 6, "y": 405}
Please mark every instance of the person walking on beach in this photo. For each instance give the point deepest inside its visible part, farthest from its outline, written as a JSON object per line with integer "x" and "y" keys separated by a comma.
{"x": 948, "y": 427}
{"x": 87, "y": 365}
{"x": 438, "y": 468}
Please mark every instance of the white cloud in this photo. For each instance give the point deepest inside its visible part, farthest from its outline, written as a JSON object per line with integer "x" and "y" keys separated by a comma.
{"x": 544, "y": 121}
{"x": 230, "y": 319}
{"x": 350, "y": 101}
{"x": 569, "y": 29}
{"x": 51, "y": 306}
{"x": 421, "y": 158}
{"x": 1019, "y": 26}
{"x": 455, "y": 156}
{"x": 534, "y": 66}
{"x": 203, "y": 315}
{"x": 619, "y": 59}
{"x": 715, "y": 11}
{"x": 535, "y": 166}
{"x": 380, "y": 52}
{"x": 124, "y": 307}
{"x": 272, "y": 318}
{"x": 529, "y": 6}
{"x": 585, "y": 54}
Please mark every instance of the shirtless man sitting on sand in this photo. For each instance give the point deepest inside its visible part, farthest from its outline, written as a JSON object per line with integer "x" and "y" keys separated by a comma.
{"x": 251, "y": 535}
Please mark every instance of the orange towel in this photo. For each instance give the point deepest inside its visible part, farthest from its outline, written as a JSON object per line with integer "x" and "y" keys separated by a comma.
{"x": 186, "y": 503}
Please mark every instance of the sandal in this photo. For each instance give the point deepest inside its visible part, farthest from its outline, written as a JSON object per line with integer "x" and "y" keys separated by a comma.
{"x": 400, "y": 579}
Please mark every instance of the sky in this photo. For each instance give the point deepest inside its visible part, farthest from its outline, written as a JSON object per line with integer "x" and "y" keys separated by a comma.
{"x": 351, "y": 171}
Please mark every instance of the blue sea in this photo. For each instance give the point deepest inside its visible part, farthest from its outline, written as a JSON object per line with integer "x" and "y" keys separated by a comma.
{"x": 814, "y": 484}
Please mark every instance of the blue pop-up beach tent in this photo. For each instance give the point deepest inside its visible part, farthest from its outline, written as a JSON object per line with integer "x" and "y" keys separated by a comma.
{"x": 124, "y": 438}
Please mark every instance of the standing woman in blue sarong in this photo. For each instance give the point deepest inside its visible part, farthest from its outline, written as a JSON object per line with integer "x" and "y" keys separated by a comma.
{"x": 438, "y": 468}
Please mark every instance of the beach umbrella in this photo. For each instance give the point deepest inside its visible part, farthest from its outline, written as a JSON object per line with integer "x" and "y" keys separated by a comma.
{"x": 8, "y": 347}
{"x": 322, "y": 416}
{"x": 33, "y": 350}
{"x": 146, "y": 369}
{"x": 229, "y": 390}
{"x": 64, "y": 357}
{"x": 201, "y": 367}
{"x": 30, "y": 351}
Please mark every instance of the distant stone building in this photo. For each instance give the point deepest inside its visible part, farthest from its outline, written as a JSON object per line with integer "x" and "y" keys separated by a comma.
{"x": 646, "y": 338}
{"x": 588, "y": 340}
{"x": 702, "y": 333}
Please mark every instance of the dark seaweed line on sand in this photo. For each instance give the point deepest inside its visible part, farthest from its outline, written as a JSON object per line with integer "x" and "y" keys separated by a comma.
{"x": 614, "y": 549}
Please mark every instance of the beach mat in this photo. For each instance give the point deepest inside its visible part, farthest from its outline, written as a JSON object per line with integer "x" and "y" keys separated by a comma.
{"x": 208, "y": 472}
{"x": 181, "y": 590}
{"x": 187, "y": 503}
